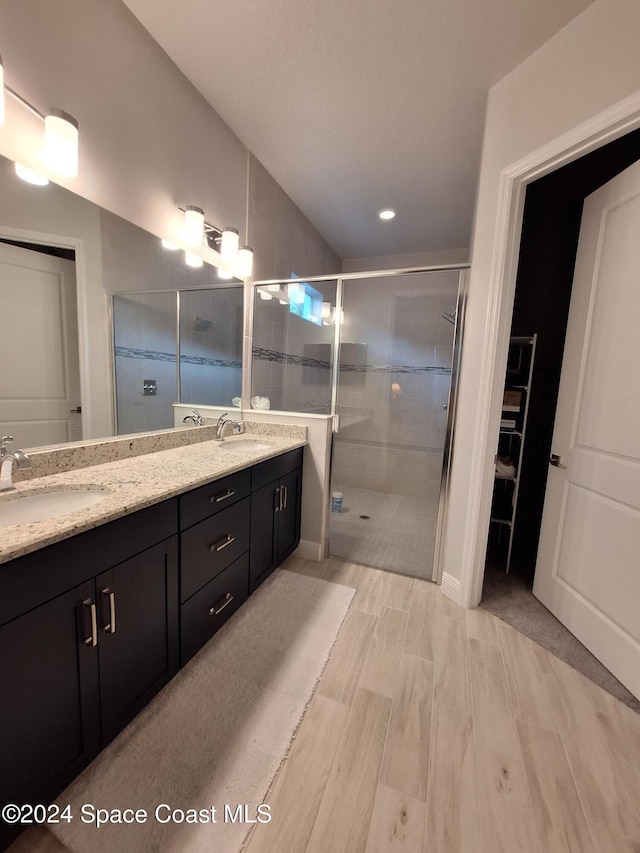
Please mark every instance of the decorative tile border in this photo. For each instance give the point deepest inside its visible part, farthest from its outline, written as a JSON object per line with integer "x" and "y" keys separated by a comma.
{"x": 263, "y": 354}
{"x": 154, "y": 355}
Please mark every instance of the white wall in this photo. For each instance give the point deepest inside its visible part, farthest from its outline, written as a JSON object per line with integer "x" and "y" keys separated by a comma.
{"x": 587, "y": 68}
{"x": 416, "y": 259}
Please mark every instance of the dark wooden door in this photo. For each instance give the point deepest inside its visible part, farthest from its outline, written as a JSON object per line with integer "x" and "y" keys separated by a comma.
{"x": 138, "y": 632}
{"x": 288, "y": 517}
{"x": 49, "y": 700}
{"x": 263, "y": 531}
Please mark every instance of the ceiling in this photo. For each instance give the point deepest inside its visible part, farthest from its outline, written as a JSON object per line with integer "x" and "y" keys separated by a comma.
{"x": 356, "y": 105}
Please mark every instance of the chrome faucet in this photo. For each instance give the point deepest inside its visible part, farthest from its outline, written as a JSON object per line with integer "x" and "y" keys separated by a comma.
{"x": 7, "y": 458}
{"x": 222, "y": 422}
{"x": 196, "y": 418}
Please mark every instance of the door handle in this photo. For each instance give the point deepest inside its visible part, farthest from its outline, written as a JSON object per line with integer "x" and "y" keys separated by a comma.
{"x": 110, "y": 625}
{"x": 555, "y": 461}
{"x": 92, "y": 640}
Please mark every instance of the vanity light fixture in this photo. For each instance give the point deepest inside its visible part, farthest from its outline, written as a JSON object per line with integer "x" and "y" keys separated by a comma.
{"x": 192, "y": 260}
{"x": 326, "y": 310}
{"x": 60, "y": 150}
{"x": 265, "y": 295}
{"x": 61, "y": 143}
{"x": 30, "y": 175}
{"x": 167, "y": 244}
{"x": 386, "y": 213}
{"x": 1, "y": 91}
{"x": 224, "y": 273}
{"x": 193, "y": 231}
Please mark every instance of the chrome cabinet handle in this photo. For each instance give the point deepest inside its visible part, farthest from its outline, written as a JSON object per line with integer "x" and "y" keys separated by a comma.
{"x": 278, "y": 494}
{"x": 286, "y": 496}
{"x": 226, "y": 602}
{"x": 222, "y": 543}
{"x": 110, "y": 626}
{"x": 93, "y": 639}
{"x": 215, "y": 499}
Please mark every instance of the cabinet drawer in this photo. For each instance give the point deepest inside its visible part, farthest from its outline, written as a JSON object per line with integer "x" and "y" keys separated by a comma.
{"x": 274, "y": 469}
{"x": 212, "y": 545}
{"x": 214, "y": 497}
{"x": 209, "y": 609}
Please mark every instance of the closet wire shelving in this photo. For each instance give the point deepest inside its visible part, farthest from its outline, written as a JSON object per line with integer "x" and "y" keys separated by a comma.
{"x": 522, "y": 351}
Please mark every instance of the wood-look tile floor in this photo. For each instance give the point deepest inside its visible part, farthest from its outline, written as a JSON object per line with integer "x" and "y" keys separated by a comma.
{"x": 437, "y": 729}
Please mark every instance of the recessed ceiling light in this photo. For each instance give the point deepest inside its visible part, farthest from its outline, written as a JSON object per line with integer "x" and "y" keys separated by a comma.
{"x": 386, "y": 213}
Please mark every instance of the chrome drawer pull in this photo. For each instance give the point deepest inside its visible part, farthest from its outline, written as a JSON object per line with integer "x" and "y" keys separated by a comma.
{"x": 93, "y": 639}
{"x": 222, "y": 543}
{"x": 216, "y": 500}
{"x": 215, "y": 610}
{"x": 110, "y": 627}
{"x": 286, "y": 496}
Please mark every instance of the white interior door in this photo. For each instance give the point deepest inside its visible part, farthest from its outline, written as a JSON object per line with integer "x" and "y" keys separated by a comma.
{"x": 40, "y": 377}
{"x": 588, "y": 569}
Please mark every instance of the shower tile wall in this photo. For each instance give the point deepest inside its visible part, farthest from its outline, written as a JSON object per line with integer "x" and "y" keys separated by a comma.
{"x": 283, "y": 239}
{"x": 145, "y": 348}
{"x": 393, "y": 420}
{"x": 211, "y": 346}
{"x": 291, "y": 359}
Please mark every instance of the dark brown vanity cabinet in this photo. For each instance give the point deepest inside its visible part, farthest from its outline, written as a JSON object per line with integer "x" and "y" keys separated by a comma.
{"x": 88, "y": 634}
{"x": 275, "y": 514}
{"x": 214, "y": 560}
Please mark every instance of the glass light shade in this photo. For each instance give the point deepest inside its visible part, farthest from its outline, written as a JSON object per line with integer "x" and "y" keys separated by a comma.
{"x": 31, "y": 176}
{"x": 61, "y": 143}
{"x": 224, "y": 273}
{"x": 274, "y": 288}
{"x": 229, "y": 245}
{"x": 167, "y": 244}
{"x": 265, "y": 295}
{"x": 1, "y": 91}
{"x": 244, "y": 264}
{"x": 192, "y": 260}
{"x": 193, "y": 230}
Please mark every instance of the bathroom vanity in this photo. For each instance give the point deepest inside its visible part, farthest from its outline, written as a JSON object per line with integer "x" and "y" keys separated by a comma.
{"x": 94, "y": 624}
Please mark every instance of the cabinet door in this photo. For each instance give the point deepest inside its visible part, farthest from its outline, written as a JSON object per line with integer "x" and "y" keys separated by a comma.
{"x": 288, "y": 534}
{"x": 138, "y": 632}
{"x": 263, "y": 532}
{"x": 49, "y": 699}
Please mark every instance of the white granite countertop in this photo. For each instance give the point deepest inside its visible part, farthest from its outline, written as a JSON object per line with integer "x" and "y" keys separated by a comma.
{"x": 132, "y": 484}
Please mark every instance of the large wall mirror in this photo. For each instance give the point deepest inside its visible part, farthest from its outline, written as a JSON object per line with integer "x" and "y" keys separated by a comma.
{"x": 66, "y": 265}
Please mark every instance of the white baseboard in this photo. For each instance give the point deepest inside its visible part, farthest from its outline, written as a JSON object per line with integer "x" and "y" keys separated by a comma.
{"x": 451, "y": 587}
{"x": 309, "y": 550}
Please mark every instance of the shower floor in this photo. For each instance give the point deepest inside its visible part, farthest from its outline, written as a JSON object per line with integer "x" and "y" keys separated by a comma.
{"x": 398, "y": 535}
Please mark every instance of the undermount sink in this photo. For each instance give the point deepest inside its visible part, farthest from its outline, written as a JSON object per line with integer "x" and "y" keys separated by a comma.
{"x": 246, "y": 444}
{"x": 25, "y": 508}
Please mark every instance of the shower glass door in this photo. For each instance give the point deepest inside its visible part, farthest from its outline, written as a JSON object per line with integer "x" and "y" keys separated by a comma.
{"x": 393, "y": 393}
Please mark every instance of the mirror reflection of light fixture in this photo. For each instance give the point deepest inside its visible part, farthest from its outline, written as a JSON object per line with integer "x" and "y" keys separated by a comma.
{"x": 229, "y": 245}
{"x": 61, "y": 143}
{"x": 193, "y": 229}
{"x": 244, "y": 264}
{"x": 265, "y": 295}
{"x": 192, "y": 260}
{"x": 30, "y": 175}
{"x": 167, "y": 244}
{"x": 337, "y": 315}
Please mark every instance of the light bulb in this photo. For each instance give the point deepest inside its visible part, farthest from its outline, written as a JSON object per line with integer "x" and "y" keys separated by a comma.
{"x": 31, "y": 176}
{"x": 222, "y": 273}
{"x": 229, "y": 245}
{"x": 167, "y": 244}
{"x": 61, "y": 143}
{"x": 244, "y": 264}
{"x": 193, "y": 230}
{"x": 192, "y": 260}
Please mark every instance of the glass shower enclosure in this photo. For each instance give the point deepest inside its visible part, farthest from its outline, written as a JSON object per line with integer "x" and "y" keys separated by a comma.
{"x": 395, "y": 380}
